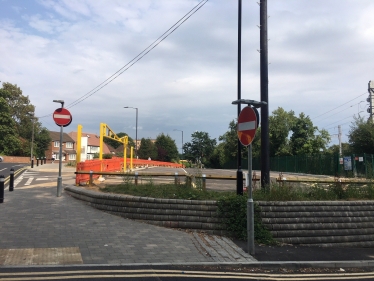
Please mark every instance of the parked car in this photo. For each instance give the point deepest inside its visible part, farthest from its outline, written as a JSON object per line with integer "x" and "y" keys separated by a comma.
{"x": 1, "y": 159}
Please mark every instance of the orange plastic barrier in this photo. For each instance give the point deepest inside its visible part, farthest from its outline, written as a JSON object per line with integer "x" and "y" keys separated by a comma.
{"x": 116, "y": 165}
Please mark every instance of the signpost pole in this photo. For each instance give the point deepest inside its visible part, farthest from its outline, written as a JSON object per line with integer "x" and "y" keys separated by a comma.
{"x": 250, "y": 207}
{"x": 59, "y": 179}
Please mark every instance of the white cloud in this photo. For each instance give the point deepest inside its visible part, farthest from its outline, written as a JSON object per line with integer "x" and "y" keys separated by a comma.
{"x": 320, "y": 55}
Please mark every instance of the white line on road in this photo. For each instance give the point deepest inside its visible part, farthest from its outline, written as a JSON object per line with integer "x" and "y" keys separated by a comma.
{"x": 29, "y": 181}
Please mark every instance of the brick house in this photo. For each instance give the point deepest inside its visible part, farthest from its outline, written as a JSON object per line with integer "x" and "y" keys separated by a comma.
{"x": 68, "y": 147}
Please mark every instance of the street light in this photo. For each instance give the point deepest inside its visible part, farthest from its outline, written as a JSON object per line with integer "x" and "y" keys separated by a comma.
{"x": 59, "y": 179}
{"x": 136, "y": 130}
{"x": 182, "y": 139}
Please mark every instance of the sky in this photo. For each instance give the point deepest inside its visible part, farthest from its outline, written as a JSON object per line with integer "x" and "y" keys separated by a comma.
{"x": 320, "y": 54}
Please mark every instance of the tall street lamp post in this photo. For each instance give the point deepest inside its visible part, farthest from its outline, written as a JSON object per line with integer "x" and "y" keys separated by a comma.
{"x": 136, "y": 130}
{"x": 182, "y": 138}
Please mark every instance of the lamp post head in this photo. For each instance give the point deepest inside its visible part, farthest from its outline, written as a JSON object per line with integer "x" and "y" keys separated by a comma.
{"x": 60, "y": 101}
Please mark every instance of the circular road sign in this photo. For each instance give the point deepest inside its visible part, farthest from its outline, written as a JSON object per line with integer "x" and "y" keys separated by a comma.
{"x": 247, "y": 125}
{"x": 62, "y": 117}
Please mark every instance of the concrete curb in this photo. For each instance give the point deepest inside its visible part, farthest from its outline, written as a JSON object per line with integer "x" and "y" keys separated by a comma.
{"x": 276, "y": 264}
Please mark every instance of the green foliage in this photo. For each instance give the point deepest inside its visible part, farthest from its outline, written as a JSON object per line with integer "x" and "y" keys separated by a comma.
{"x": 147, "y": 149}
{"x": 166, "y": 148}
{"x": 361, "y": 136}
{"x": 17, "y": 123}
{"x": 107, "y": 156}
{"x": 168, "y": 191}
{"x": 42, "y": 142}
{"x": 116, "y": 144}
{"x": 200, "y": 149}
{"x": 316, "y": 192}
{"x": 280, "y": 124}
{"x": 71, "y": 164}
{"x": 10, "y": 144}
{"x": 233, "y": 211}
{"x": 304, "y": 140}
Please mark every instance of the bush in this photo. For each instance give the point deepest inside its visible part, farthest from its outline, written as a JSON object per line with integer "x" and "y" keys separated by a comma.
{"x": 233, "y": 212}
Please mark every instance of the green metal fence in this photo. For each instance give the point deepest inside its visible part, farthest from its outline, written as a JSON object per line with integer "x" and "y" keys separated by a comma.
{"x": 316, "y": 164}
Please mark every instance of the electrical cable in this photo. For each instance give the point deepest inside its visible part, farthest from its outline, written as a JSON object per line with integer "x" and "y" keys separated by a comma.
{"x": 139, "y": 56}
{"x": 338, "y": 106}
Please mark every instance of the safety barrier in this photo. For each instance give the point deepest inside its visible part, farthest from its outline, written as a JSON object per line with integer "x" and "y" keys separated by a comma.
{"x": 115, "y": 165}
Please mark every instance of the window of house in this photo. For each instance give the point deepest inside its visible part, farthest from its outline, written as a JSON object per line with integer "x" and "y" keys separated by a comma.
{"x": 69, "y": 145}
{"x": 56, "y": 144}
{"x": 72, "y": 156}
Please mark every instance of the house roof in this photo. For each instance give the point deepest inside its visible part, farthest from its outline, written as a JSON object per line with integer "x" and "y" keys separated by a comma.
{"x": 55, "y": 136}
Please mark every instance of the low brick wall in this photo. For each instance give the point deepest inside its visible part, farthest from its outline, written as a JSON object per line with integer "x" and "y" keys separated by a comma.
{"x": 321, "y": 223}
{"x": 174, "y": 213}
{"x": 15, "y": 159}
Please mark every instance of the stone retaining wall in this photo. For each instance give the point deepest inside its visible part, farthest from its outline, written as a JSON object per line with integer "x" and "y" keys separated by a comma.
{"x": 175, "y": 213}
{"x": 318, "y": 223}
{"x": 321, "y": 223}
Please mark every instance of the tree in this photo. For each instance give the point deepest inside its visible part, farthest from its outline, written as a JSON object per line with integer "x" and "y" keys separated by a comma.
{"x": 200, "y": 149}
{"x": 116, "y": 144}
{"x": 42, "y": 141}
{"x": 304, "y": 140}
{"x": 10, "y": 143}
{"x": 334, "y": 149}
{"x": 147, "y": 149}
{"x": 361, "y": 136}
{"x": 280, "y": 124}
{"x": 166, "y": 148}
{"x": 20, "y": 109}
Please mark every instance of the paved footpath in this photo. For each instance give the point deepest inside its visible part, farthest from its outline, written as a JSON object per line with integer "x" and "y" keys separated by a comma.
{"x": 39, "y": 228}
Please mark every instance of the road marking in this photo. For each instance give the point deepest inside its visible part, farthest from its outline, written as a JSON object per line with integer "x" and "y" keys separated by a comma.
{"x": 42, "y": 179}
{"x": 29, "y": 181}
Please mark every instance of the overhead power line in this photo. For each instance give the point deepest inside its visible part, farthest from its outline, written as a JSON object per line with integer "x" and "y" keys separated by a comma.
{"x": 139, "y": 56}
{"x": 338, "y": 106}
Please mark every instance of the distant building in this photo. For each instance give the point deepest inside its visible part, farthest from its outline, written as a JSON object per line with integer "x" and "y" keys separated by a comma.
{"x": 90, "y": 145}
{"x": 68, "y": 147}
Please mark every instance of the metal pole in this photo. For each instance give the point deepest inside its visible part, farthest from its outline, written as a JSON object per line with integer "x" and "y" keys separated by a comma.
{"x": 182, "y": 144}
{"x": 59, "y": 179}
{"x": 32, "y": 144}
{"x": 136, "y": 134}
{"x": 250, "y": 207}
{"x": 265, "y": 156}
{"x": 239, "y": 172}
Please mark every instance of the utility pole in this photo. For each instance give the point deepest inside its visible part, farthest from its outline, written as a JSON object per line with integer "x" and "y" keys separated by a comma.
{"x": 370, "y": 99}
{"x": 265, "y": 146}
{"x": 239, "y": 172}
{"x": 340, "y": 139}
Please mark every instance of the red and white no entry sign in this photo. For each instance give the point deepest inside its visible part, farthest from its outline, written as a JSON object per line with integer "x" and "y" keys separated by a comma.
{"x": 62, "y": 117}
{"x": 247, "y": 125}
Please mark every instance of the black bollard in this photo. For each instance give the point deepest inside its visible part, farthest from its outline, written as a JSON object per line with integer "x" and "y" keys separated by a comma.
{"x": 2, "y": 188}
{"x": 41, "y": 161}
{"x": 45, "y": 160}
{"x": 11, "y": 180}
{"x": 37, "y": 162}
{"x": 32, "y": 163}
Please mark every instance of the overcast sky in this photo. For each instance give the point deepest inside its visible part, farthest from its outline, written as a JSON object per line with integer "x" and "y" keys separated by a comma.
{"x": 321, "y": 58}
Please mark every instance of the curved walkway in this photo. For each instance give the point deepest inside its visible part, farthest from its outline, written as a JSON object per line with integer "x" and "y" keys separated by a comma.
{"x": 36, "y": 223}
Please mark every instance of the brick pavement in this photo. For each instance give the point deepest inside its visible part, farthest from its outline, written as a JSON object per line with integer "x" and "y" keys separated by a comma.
{"x": 33, "y": 219}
